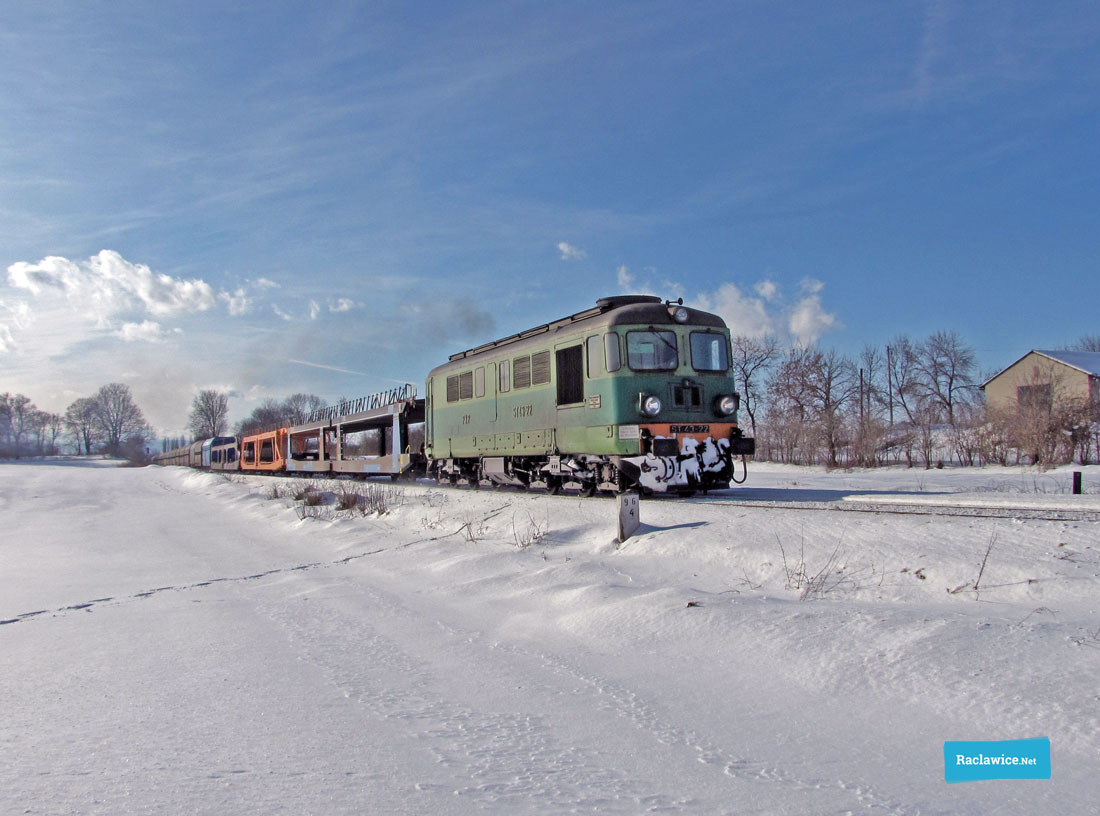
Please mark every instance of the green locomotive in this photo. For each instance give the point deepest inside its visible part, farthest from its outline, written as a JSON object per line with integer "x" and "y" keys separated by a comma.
{"x": 634, "y": 393}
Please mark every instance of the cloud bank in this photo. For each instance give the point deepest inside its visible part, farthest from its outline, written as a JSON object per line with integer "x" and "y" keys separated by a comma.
{"x": 801, "y": 321}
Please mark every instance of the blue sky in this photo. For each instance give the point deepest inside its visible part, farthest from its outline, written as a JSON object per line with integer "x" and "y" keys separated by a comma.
{"x": 271, "y": 197}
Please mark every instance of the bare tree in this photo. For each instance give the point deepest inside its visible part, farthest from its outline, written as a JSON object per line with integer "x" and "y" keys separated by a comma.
{"x": 945, "y": 367}
{"x": 53, "y": 426}
{"x": 80, "y": 422}
{"x": 298, "y": 407}
{"x": 1088, "y": 342}
{"x": 118, "y": 416}
{"x": 903, "y": 376}
{"x": 294, "y": 410}
{"x": 268, "y": 414}
{"x": 20, "y": 412}
{"x": 5, "y": 421}
{"x": 752, "y": 358}
{"x": 209, "y": 414}
{"x": 809, "y": 392}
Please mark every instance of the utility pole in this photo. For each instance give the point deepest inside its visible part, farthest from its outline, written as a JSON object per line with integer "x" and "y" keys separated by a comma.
{"x": 890, "y": 386}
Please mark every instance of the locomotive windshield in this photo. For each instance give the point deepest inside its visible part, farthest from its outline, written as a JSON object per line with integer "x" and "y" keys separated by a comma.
{"x": 709, "y": 352}
{"x": 651, "y": 350}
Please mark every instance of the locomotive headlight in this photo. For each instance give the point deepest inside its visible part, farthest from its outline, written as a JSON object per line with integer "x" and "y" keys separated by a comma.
{"x": 679, "y": 314}
{"x": 727, "y": 404}
{"x": 650, "y": 405}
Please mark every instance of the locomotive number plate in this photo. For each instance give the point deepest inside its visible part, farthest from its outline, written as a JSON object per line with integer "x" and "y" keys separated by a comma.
{"x": 689, "y": 429}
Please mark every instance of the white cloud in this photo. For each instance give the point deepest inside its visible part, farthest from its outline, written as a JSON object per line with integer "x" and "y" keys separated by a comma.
{"x": 238, "y": 302}
{"x": 17, "y": 316}
{"x": 342, "y": 305}
{"x": 108, "y": 284}
{"x": 810, "y": 286}
{"x": 808, "y": 320}
{"x": 744, "y": 315}
{"x": 264, "y": 283}
{"x": 314, "y": 309}
{"x": 803, "y": 322}
{"x": 570, "y": 252}
{"x": 626, "y": 280}
{"x": 279, "y": 312}
{"x": 769, "y": 290}
{"x": 147, "y": 332}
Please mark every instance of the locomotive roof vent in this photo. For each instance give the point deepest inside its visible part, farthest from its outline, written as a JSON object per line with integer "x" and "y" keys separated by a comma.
{"x": 625, "y": 300}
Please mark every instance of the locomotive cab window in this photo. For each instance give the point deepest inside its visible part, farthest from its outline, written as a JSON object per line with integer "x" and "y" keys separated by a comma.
{"x": 651, "y": 351}
{"x": 709, "y": 352}
{"x": 611, "y": 352}
{"x": 594, "y": 352}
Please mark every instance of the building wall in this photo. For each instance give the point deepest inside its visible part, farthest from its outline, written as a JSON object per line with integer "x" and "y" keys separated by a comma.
{"x": 1002, "y": 392}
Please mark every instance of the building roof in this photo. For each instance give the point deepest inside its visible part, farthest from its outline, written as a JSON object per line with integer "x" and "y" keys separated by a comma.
{"x": 1086, "y": 361}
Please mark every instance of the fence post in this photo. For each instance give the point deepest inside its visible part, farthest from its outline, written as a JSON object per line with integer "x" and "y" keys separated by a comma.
{"x": 1076, "y": 483}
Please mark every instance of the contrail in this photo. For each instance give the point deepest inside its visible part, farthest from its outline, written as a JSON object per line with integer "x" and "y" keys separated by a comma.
{"x": 347, "y": 371}
{"x": 330, "y": 368}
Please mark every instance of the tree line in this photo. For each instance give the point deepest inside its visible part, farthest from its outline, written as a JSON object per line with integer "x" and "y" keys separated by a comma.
{"x": 912, "y": 401}
{"x": 109, "y": 421}
{"x": 209, "y": 415}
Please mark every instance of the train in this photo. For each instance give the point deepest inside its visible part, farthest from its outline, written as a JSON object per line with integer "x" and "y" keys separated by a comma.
{"x": 635, "y": 393}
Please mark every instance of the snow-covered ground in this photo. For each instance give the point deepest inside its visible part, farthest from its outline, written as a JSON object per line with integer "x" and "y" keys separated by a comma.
{"x": 177, "y": 642}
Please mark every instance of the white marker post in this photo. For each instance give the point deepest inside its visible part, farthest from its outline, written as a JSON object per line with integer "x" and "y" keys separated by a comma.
{"x": 629, "y": 514}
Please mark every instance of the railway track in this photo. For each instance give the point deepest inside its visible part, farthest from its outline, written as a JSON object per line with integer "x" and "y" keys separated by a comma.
{"x": 834, "y": 505}
{"x": 1023, "y": 513}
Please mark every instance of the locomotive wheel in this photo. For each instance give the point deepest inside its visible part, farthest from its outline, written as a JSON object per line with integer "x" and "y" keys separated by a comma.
{"x": 553, "y": 485}
{"x": 588, "y": 488}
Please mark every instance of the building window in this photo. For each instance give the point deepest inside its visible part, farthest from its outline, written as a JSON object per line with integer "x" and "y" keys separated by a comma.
{"x": 1033, "y": 396}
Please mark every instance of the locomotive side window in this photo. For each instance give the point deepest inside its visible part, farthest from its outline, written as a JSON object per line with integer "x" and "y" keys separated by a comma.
{"x": 466, "y": 385}
{"x": 522, "y": 372}
{"x": 479, "y": 381}
{"x": 570, "y": 363}
{"x": 651, "y": 350}
{"x": 452, "y": 388}
{"x": 540, "y": 368}
{"x": 594, "y": 352}
{"x": 709, "y": 352}
{"x": 611, "y": 352}
{"x": 505, "y": 376}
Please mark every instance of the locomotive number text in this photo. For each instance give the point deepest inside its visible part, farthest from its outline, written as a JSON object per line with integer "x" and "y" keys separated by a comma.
{"x": 521, "y": 411}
